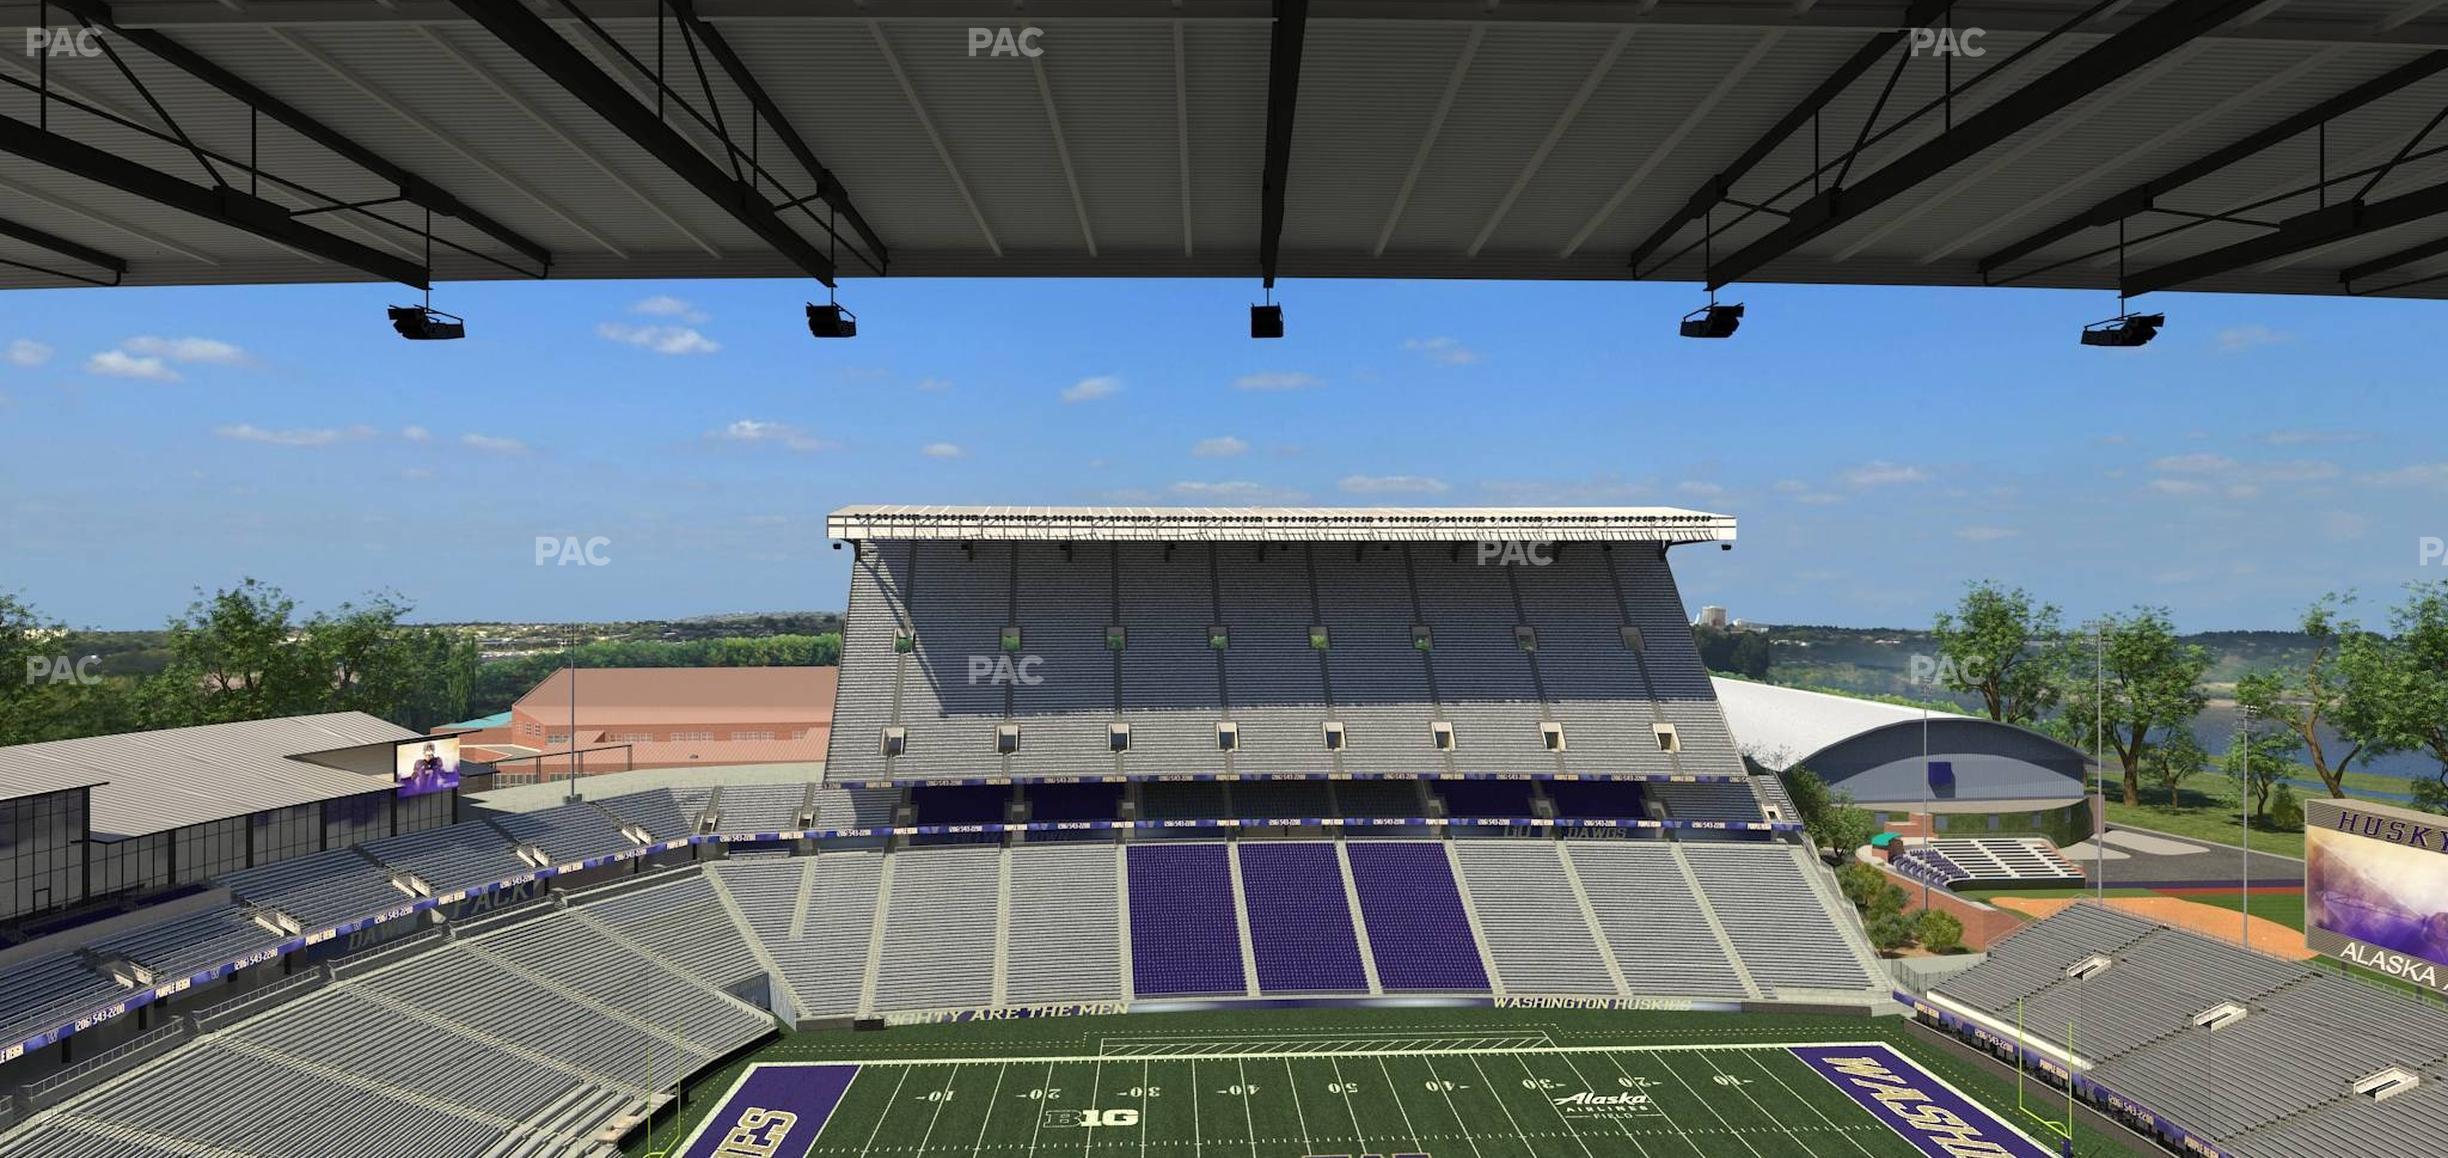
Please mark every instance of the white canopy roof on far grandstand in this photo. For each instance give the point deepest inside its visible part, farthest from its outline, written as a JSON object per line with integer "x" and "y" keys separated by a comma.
{"x": 1283, "y": 524}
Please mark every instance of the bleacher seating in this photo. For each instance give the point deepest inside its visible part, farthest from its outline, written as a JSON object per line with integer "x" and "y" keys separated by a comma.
{"x": 456, "y": 857}
{"x": 1781, "y": 924}
{"x": 1952, "y": 862}
{"x": 682, "y": 924}
{"x": 827, "y": 963}
{"x": 664, "y": 813}
{"x": 1300, "y": 918}
{"x": 1711, "y": 800}
{"x": 939, "y": 929}
{"x": 1535, "y": 932}
{"x": 46, "y": 990}
{"x": 319, "y": 889}
{"x": 1418, "y": 930}
{"x": 1066, "y": 925}
{"x": 750, "y": 808}
{"x": 839, "y": 808}
{"x": 572, "y": 832}
{"x": 1185, "y": 938}
{"x": 1651, "y": 920}
{"x": 183, "y": 945}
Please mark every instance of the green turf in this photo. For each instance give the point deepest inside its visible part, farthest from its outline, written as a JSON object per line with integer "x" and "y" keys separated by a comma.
{"x": 1450, "y": 1083}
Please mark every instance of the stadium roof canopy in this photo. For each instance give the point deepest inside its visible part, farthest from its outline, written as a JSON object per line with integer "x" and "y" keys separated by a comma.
{"x": 2252, "y": 145}
{"x": 1284, "y": 524}
{"x": 147, "y": 782}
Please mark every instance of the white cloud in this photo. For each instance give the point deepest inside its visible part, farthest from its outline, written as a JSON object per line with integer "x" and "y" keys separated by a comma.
{"x": 1985, "y": 534}
{"x": 120, "y": 364}
{"x": 1237, "y": 491}
{"x": 1818, "y": 498}
{"x": 1222, "y": 446}
{"x": 667, "y": 306}
{"x": 1881, "y": 473}
{"x": 1091, "y": 389}
{"x": 28, "y": 352}
{"x": 1792, "y": 486}
{"x": 310, "y": 436}
{"x": 1597, "y": 489}
{"x": 1699, "y": 488}
{"x": 1392, "y": 484}
{"x": 492, "y": 444}
{"x": 2345, "y": 526}
{"x": 1445, "y": 351}
{"x": 2179, "y": 486}
{"x": 660, "y": 339}
{"x": 2312, "y": 437}
{"x": 1276, "y": 380}
{"x": 942, "y": 450}
{"x": 2429, "y": 474}
{"x": 778, "y": 433}
{"x": 934, "y": 385}
{"x": 2236, "y": 338}
{"x": 416, "y": 434}
{"x": 208, "y": 350}
{"x": 2194, "y": 464}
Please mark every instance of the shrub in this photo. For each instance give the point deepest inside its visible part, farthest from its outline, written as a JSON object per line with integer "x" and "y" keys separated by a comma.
{"x": 1890, "y": 932}
{"x": 2286, "y": 809}
{"x": 1938, "y": 931}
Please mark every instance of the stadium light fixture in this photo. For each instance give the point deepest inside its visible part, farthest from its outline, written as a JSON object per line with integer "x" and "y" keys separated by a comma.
{"x": 830, "y": 320}
{"x": 2124, "y": 330}
{"x": 1266, "y": 321}
{"x": 1713, "y": 321}
{"x": 426, "y": 324}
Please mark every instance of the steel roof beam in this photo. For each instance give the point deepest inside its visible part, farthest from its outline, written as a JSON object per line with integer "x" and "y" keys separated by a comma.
{"x": 2142, "y": 197}
{"x": 2403, "y": 257}
{"x": 2344, "y": 221}
{"x": 828, "y": 187}
{"x": 1283, "y": 97}
{"x": 1715, "y": 189}
{"x": 225, "y": 206}
{"x": 528, "y": 35}
{"x": 416, "y": 189}
{"x": 2163, "y": 31}
{"x": 62, "y": 246}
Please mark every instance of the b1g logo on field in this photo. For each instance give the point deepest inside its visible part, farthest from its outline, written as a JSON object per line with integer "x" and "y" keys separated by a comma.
{"x": 1087, "y": 1119}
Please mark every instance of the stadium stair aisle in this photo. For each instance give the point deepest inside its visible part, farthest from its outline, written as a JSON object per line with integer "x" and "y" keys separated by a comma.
{"x": 756, "y": 944}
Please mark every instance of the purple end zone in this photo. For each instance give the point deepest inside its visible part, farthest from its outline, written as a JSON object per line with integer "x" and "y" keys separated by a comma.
{"x": 1915, "y": 1104}
{"x": 774, "y": 1111}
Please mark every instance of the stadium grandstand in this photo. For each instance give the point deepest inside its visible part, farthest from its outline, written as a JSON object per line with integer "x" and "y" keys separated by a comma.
{"x": 1261, "y": 756}
{"x": 2203, "y": 1045}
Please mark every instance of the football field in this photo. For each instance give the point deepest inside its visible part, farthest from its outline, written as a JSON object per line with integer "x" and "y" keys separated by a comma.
{"x": 1297, "y": 1095}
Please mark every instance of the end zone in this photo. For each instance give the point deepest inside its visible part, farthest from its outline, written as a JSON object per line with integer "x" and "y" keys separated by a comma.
{"x": 774, "y": 1108}
{"x": 1918, "y": 1105}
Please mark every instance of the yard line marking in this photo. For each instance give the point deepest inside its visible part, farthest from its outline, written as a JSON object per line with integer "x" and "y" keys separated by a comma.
{"x": 1569, "y": 1128}
{"x": 889, "y": 1103}
{"x": 1198, "y": 1137}
{"x": 1495, "y": 1093}
{"x": 1143, "y": 1116}
{"x": 1308, "y": 1144}
{"x": 1677, "y": 1075}
{"x": 1778, "y": 1119}
{"x": 1037, "y": 1111}
{"x": 1438, "y": 1084}
{"x": 940, "y": 1103}
{"x": 980, "y": 1148}
{"x": 1247, "y": 1116}
{"x": 1620, "y": 1127}
{"x": 1359, "y": 1136}
{"x": 1433, "y": 1051}
{"x": 1096, "y": 1079}
{"x": 1814, "y": 1107}
{"x": 1409, "y": 1131}
{"x": 1661, "y": 1107}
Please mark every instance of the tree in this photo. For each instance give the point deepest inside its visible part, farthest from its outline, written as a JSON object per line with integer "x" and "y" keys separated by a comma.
{"x": 1828, "y": 814}
{"x": 2286, "y": 811}
{"x": 2261, "y": 755}
{"x": 2306, "y": 700}
{"x": 1890, "y": 932}
{"x": 1861, "y": 882}
{"x": 2175, "y": 758}
{"x": 2396, "y": 686}
{"x": 2150, "y": 697}
{"x": 1995, "y": 645}
{"x": 1743, "y": 653}
{"x": 22, "y": 699}
{"x": 233, "y": 658}
{"x": 1938, "y": 931}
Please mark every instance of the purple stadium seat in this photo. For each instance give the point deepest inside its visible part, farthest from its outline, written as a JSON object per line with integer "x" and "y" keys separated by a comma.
{"x": 1417, "y": 930}
{"x": 1184, "y": 939}
{"x": 1300, "y": 919}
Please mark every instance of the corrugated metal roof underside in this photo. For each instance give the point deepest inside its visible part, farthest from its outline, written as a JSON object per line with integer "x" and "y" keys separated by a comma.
{"x": 176, "y": 777}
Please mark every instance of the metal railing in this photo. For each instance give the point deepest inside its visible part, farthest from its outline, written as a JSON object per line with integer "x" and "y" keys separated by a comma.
{"x": 101, "y": 1067}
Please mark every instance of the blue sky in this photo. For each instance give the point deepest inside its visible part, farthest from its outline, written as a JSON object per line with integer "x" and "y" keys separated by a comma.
{"x": 1880, "y": 446}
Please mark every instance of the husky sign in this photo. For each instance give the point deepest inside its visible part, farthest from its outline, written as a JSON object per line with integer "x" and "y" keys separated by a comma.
{"x": 2376, "y": 888}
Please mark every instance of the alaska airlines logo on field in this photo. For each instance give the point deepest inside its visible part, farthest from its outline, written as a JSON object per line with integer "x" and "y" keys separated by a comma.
{"x": 1589, "y": 1104}
{"x": 1928, "y": 1113}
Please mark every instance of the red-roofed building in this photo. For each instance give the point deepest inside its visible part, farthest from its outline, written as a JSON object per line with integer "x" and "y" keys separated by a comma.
{"x": 663, "y": 717}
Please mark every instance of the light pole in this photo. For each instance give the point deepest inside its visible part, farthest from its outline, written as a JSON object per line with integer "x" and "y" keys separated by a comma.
{"x": 2244, "y": 794}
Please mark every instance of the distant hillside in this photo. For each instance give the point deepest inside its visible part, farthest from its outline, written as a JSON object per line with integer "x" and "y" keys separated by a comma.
{"x": 1879, "y": 660}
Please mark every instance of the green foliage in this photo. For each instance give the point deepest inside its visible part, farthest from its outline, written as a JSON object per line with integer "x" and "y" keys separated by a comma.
{"x": 2260, "y": 758}
{"x": 2396, "y": 686}
{"x": 1996, "y": 645}
{"x": 1743, "y": 653}
{"x": 2303, "y": 698}
{"x": 1938, "y": 931}
{"x": 2149, "y": 690}
{"x": 1860, "y": 882}
{"x": 1890, "y": 932}
{"x": 1888, "y": 901}
{"x": 2286, "y": 809}
{"x": 1828, "y": 814}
